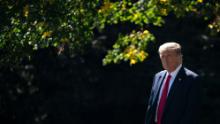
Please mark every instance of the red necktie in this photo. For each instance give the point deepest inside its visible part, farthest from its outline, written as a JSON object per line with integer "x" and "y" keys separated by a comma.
{"x": 163, "y": 99}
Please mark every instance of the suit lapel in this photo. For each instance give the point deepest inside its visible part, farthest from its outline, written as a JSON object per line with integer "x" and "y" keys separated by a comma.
{"x": 154, "y": 97}
{"x": 158, "y": 85}
{"x": 177, "y": 81}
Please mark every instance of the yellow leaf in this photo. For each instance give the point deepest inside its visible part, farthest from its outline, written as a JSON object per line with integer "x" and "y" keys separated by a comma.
{"x": 210, "y": 26}
{"x": 199, "y": 1}
{"x": 26, "y": 11}
{"x": 142, "y": 55}
{"x": 46, "y": 34}
{"x": 146, "y": 32}
{"x": 164, "y": 12}
{"x": 133, "y": 61}
{"x": 106, "y": 6}
{"x": 136, "y": 16}
{"x": 163, "y": 1}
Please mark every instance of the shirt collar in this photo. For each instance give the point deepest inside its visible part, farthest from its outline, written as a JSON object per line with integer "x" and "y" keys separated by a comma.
{"x": 174, "y": 73}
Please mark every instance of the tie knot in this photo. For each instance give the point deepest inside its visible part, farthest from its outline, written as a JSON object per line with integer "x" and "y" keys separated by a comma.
{"x": 169, "y": 76}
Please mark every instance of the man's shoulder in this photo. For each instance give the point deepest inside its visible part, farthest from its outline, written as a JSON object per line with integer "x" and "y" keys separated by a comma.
{"x": 189, "y": 72}
{"x": 160, "y": 73}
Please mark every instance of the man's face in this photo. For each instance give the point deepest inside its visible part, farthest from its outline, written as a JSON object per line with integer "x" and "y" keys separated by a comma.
{"x": 170, "y": 60}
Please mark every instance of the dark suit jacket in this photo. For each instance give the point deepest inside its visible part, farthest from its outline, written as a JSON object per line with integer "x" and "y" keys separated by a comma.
{"x": 183, "y": 101}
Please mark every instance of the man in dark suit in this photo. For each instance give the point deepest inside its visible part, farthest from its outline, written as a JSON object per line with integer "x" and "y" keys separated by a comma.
{"x": 175, "y": 94}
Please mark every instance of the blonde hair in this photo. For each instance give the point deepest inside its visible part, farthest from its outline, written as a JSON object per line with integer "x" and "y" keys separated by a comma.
{"x": 170, "y": 46}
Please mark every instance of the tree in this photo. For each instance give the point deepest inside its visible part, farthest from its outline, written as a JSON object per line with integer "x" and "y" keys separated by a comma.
{"x": 146, "y": 14}
{"x": 27, "y": 25}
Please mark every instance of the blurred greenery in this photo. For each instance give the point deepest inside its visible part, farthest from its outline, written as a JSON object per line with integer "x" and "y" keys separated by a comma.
{"x": 29, "y": 25}
{"x": 148, "y": 13}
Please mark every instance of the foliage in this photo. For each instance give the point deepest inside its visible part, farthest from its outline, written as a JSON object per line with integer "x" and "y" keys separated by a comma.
{"x": 130, "y": 47}
{"x": 215, "y": 24}
{"x": 148, "y": 13}
{"x": 27, "y": 25}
